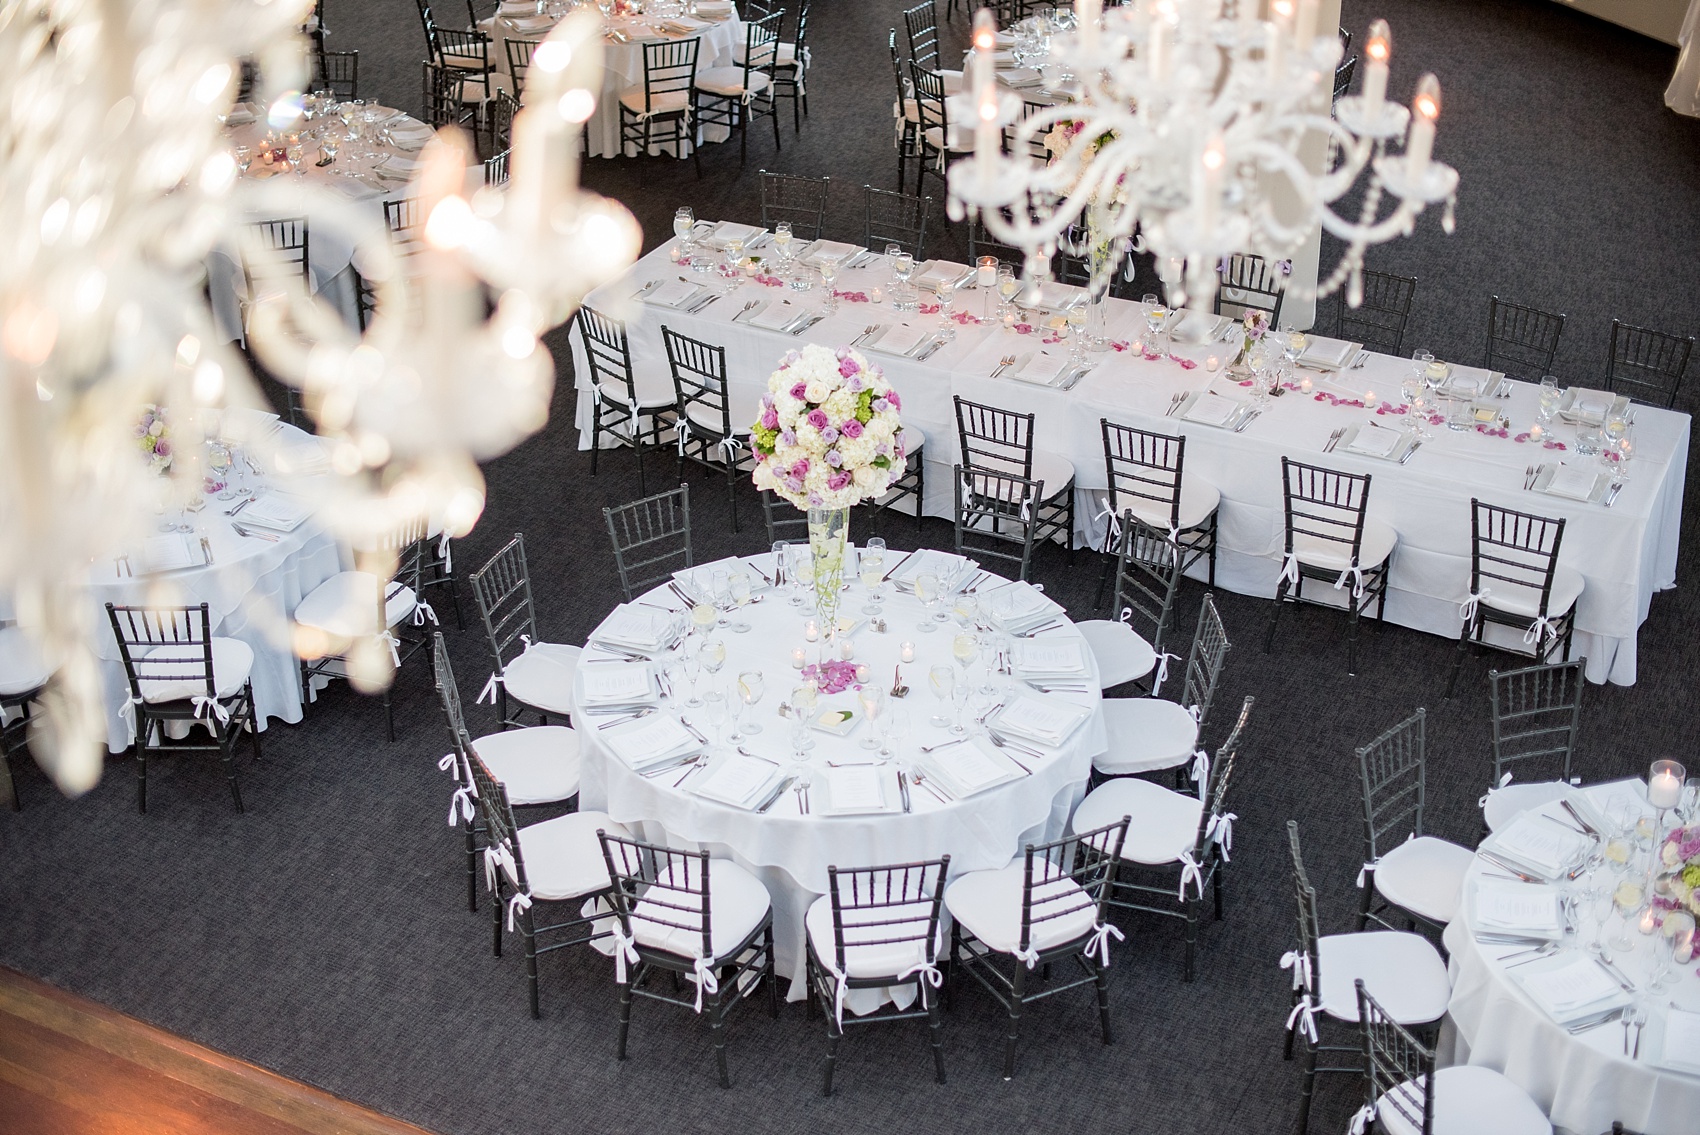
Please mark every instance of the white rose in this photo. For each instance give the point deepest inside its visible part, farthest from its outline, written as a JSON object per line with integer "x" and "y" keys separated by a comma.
{"x": 865, "y": 476}
{"x": 882, "y": 428}
{"x": 818, "y": 391}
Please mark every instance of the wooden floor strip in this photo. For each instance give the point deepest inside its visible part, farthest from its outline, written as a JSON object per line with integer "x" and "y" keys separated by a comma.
{"x": 70, "y": 1064}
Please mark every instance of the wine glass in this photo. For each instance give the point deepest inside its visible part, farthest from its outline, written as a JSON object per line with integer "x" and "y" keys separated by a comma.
{"x": 780, "y": 581}
{"x": 714, "y": 702}
{"x": 894, "y": 728}
{"x": 828, "y": 276}
{"x": 927, "y": 594}
{"x": 713, "y": 655}
{"x": 218, "y": 460}
{"x": 703, "y": 616}
{"x": 692, "y": 661}
{"x": 750, "y": 689}
{"x": 782, "y": 245}
{"x": 942, "y": 680}
{"x": 295, "y": 153}
{"x": 739, "y": 583}
{"x": 1076, "y": 322}
{"x": 802, "y": 563}
{"x": 1008, "y": 285}
{"x": 734, "y": 250}
{"x": 1550, "y": 396}
{"x": 720, "y": 586}
{"x": 965, "y": 648}
{"x": 872, "y": 697}
{"x": 872, "y": 566}
{"x": 685, "y": 227}
{"x": 947, "y": 296}
{"x": 902, "y": 267}
{"x": 1627, "y": 897}
{"x": 1155, "y": 316}
{"x": 804, "y": 699}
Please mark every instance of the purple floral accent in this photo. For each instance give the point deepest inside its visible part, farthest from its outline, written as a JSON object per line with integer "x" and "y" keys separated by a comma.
{"x": 829, "y": 434}
{"x": 852, "y": 297}
{"x": 769, "y": 419}
{"x": 852, "y": 429}
{"x": 801, "y": 468}
{"x": 817, "y": 418}
{"x": 162, "y": 448}
{"x": 896, "y": 402}
{"x": 838, "y": 480}
{"x": 832, "y": 677}
{"x": 834, "y": 458}
{"x": 1024, "y": 329}
{"x": 879, "y": 405}
{"x": 856, "y": 385}
{"x": 787, "y": 437}
{"x": 769, "y": 281}
{"x": 815, "y": 500}
{"x": 800, "y": 392}
{"x": 848, "y": 366}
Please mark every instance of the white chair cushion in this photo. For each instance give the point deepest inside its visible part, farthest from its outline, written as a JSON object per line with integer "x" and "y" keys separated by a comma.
{"x": 787, "y": 56}
{"x": 884, "y": 960}
{"x": 1424, "y": 876}
{"x": 232, "y": 660}
{"x": 953, "y": 81}
{"x": 21, "y": 667}
{"x": 646, "y": 402}
{"x": 961, "y": 141}
{"x": 538, "y": 765}
{"x": 1403, "y": 972}
{"x": 346, "y": 605}
{"x": 542, "y": 677}
{"x": 1526, "y": 601}
{"x": 737, "y": 902}
{"x": 914, "y": 439}
{"x": 1146, "y": 734}
{"x": 988, "y": 904}
{"x": 1468, "y": 1100}
{"x": 1055, "y": 471}
{"x": 708, "y": 418}
{"x": 664, "y": 102}
{"x": 1198, "y": 500}
{"x": 1165, "y": 823}
{"x": 1120, "y": 653}
{"x": 563, "y": 857}
{"x": 1506, "y": 804}
{"x": 728, "y": 82}
{"x": 911, "y": 110}
{"x": 1377, "y": 545}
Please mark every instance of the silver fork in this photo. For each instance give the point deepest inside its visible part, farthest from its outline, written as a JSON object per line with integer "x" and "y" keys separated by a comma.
{"x": 1175, "y": 401}
{"x": 866, "y": 331}
{"x": 1333, "y": 439}
{"x": 1528, "y": 476}
{"x": 1003, "y": 364}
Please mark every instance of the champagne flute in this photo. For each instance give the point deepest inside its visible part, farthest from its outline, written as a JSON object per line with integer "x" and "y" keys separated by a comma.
{"x": 894, "y": 728}
{"x": 692, "y": 659}
{"x": 927, "y": 593}
{"x": 782, "y": 245}
{"x": 872, "y": 566}
{"x": 804, "y": 699}
{"x": 740, "y": 589}
{"x": 872, "y": 697}
{"x": 828, "y": 275}
{"x": 750, "y": 689}
{"x": 780, "y": 574}
{"x": 1076, "y": 322}
{"x": 218, "y": 459}
{"x": 714, "y": 701}
{"x": 721, "y": 588}
{"x": 685, "y": 227}
{"x": 942, "y": 680}
{"x": 965, "y": 648}
{"x": 1627, "y": 897}
{"x": 947, "y": 296}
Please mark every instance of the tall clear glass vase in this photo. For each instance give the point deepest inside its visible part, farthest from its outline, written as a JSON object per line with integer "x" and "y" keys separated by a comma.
{"x": 829, "y": 529}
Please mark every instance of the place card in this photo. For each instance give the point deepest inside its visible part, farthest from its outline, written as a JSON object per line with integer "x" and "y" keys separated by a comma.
{"x": 171, "y": 552}
{"x": 970, "y": 766}
{"x": 1569, "y": 481}
{"x": 1681, "y": 1047}
{"x": 776, "y": 315}
{"x": 1050, "y": 656}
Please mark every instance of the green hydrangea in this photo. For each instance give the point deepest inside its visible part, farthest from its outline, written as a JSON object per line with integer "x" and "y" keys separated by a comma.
{"x": 1691, "y": 874}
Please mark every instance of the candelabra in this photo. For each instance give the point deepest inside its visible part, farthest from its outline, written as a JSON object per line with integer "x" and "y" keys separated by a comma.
{"x": 1186, "y": 127}
{"x": 118, "y": 184}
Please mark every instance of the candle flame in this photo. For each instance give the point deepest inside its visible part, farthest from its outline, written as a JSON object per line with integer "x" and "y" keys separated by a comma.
{"x": 1379, "y": 45}
{"x": 1427, "y": 102}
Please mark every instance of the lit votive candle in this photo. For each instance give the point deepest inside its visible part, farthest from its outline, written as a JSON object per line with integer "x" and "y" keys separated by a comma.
{"x": 811, "y": 630}
{"x": 797, "y": 658}
{"x": 1664, "y": 784}
{"x": 1305, "y": 384}
{"x": 1535, "y": 433}
{"x": 674, "y": 253}
{"x": 1648, "y": 923}
{"x": 906, "y": 651}
{"x": 875, "y": 295}
{"x": 1212, "y": 363}
{"x": 863, "y": 673}
{"x": 1682, "y": 947}
{"x": 1370, "y": 399}
{"x": 847, "y": 650}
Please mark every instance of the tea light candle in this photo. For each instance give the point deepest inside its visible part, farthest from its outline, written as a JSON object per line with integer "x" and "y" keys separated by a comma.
{"x": 1212, "y": 363}
{"x": 1138, "y": 346}
{"x": 811, "y": 630}
{"x": 863, "y": 673}
{"x": 1664, "y": 784}
{"x": 1535, "y": 433}
{"x": 797, "y": 657}
{"x": 1305, "y": 384}
{"x": 1682, "y": 948}
{"x": 674, "y": 253}
{"x": 876, "y": 295}
{"x": 1648, "y": 923}
{"x": 847, "y": 650}
{"x": 986, "y": 272}
{"x": 1370, "y": 399}
{"x": 906, "y": 652}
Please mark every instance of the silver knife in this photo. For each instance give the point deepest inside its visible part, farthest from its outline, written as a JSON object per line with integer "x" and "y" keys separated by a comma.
{"x": 1411, "y": 452}
{"x": 1247, "y": 420}
{"x": 776, "y": 794}
{"x": 937, "y": 343}
{"x": 903, "y": 789}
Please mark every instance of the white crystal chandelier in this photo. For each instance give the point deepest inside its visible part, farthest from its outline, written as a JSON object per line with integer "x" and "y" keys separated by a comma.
{"x": 1189, "y": 121}
{"x": 116, "y": 184}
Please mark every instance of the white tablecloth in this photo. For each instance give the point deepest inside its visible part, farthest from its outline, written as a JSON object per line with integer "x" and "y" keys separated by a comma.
{"x": 251, "y": 588}
{"x": 1625, "y": 553}
{"x": 789, "y": 851}
{"x": 1583, "y": 1082}
{"x": 622, "y": 64}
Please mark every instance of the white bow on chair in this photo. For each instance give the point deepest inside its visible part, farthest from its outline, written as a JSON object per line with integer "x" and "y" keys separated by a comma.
{"x": 625, "y": 953}
{"x": 1290, "y": 568}
{"x": 1467, "y": 610}
{"x": 706, "y": 981}
{"x": 1115, "y": 531}
{"x": 1099, "y": 945}
{"x": 422, "y": 611}
{"x": 1542, "y": 626}
{"x": 1486, "y": 796}
{"x": 204, "y": 705}
{"x": 1361, "y": 1120}
{"x": 1221, "y": 829}
{"x": 1356, "y": 575}
{"x": 1190, "y": 870}
{"x": 497, "y": 856}
{"x": 1303, "y": 1017}
{"x": 1299, "y": 962}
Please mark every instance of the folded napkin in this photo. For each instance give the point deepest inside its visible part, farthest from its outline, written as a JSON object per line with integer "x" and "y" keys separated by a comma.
{"x": 672, "y": 293}
{"x": 279, "y": 512}
{"x": 968, "y": 768}
{"x": 1682, "y": 1041}
{"x": 1212, "y": 409}
{"x": 411, "y": 136}
{"x": 1569, "y": 481}
{"x": 1021, "y": 77}
{"x": 825, "y": 250}
{"x": 1539, "y": 844}
{"x": 776, "y": 315}
{"x": 1057, "y": 297}
{"x": 643, "y": 629}
{"x": 1326, "y": 354}
{"x": 171, "y": 552}
{"x": 618, "y": 683}
{"x": 1518, "y": 908}
{"x": 898, "y": 339}
{"x": 1020, "y": 607}
{"x": 1588, "y": 405}
{"x": 1045, "y": 720}
{"x": 727, "y": 231}
{"x": 949, "y": 567}
{"x": 1041, "y": 367}
{"x": 699, "y": 580}
{"x": 856, "y": 788}
{"x": 1196, "y": 327}
{"x": 1375, "y": 441}
{"x": 739, "y": 781}
{"x": 1050, "y": 657}
{"x": 304, "y": 458}
{"x": 1570, "y": 989}
{"x": 939, "y": 272}
{"x": 1469, "y": 382}
{"x": 651, "y": 741}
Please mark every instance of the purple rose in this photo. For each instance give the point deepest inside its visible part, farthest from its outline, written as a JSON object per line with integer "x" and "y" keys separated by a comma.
{"x": 896, "y": 402}
{"x": 851, "y": 429}
{"x": 815, "y": 500}
{"x": 817, "y": 418}
{"x": 848, "y": 366}
{"x": 787, "y": 436}
{"x": 767, "y": 399}
{"x": 856, "y": 385}
{"x": 879, "y": 405}
{"x": 882, "y": 450}
{"x": 793, "y": 484}
{"x": 162, "y": 448}
{"x": 828, "y": 434}
{"x": 769, "y": 419}
{"x": 837, "y": 481}
{"x": 834, "y": 458}
{"x": 760, "y": 456}
{"x": 791, "y": 357}
{"x": 800, "y": 392}
{"x": 801, "y": 468}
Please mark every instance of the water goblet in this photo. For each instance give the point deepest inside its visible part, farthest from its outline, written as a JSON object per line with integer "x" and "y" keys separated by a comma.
{"x": 734, "y": 252}
{"x": 804, "y": 700}
{"x": 1627, "y": 897}
{"x": 1008, "y": 285}
{"x": 872, "y": 698}
{"x": 965, "y": 648}
{"x": 750, "y": 689}
{"x": 872, "y": 567}
{"x": 1550, "y": 397}
{"x": 829, "y": 276}
{"x": 691, "y": 659}
{"x": 1076, "y": 323}
{"x": 942, "y": 680}
{"x": 218, "y": 460}
{"x": 927, "y": 594}
{"x": 684, "y": 227}
{"x": 703, "y": 616}
{"x": 739, "y": 587}
{"x": 782, "y": 245}
{"x": 902, "y": 267}
{"x": 713, "y": 655}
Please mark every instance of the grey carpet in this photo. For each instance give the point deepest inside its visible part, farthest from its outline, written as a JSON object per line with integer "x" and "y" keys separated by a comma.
{"x": 324, "y": 933}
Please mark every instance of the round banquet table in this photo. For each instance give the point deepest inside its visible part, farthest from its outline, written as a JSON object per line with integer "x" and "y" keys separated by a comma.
{"x": 622, "y": 59}
{"x": 790, "y": 851}
{"x": 250, "y": 588}
{"x": 1584, "y": 1082}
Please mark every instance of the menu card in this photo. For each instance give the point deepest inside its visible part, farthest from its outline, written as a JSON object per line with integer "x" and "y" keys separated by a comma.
{"x": 1211, "y": 409}
{"x": 651, "y": 741}
{"x": 615, "y": 683}
{"x": 738, "y": 781}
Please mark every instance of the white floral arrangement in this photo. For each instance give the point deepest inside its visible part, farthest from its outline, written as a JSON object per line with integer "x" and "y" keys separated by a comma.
{"x": 829, "y": 435}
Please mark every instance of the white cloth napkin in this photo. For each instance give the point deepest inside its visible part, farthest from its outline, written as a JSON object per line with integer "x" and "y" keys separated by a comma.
{"x": 776, "y": 315}
{"x": 939, "y": 272}
{"x": 825, "y": 250}
{"x": 1050, "y": 657}
{"x": 738, "y": 781}
{"x": 1539, "y": 844}
{"x": 1045, "y": 720}
{"x": 1518, "y": 907}
{"x": 651, "y": 741}
{"x": 1325, "y": 354}
{"x": 276, "y": 511}
{"x": 1041, "y": 367}
{"x": 1682, "y": 1041}
{"x": 1591, "y": 404}
{"x": 969, "y": 768}
{"x": 1576, "y": 484}
{"x": 899, "y": 339}
{"x": 641, "y": 628}
{"x": 1568, "y": 989}
{"x": 1211, "y": 409}
{"x": 858, "y": 788}
{"x": 615, "y": 683}
{"x": 1374, "y": 440}
{"x": 728, "y": 231}
{"x": 671, "y": 294}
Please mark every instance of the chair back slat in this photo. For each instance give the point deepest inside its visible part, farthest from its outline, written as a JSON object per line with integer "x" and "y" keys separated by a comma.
{"x": 1310, "y": 925}
{"x": 502, "y": 590}
{"x": 1062, "y": 878}
{"x": 886, "y": 906}
{"x": 448, "y": 694}
{"x": 277, "y": 253}
{"x": 1398, "y": 1067}
{"x": 1378, "y": 322}
{"x": 669, "y": 67}
{"x": 651, "y": 538}
{"x": 1208, "y": 837}
{"x": 1394, "y": 773}
{"x": 699, "y": 382}
{"x": 1325, "y": 504}
{"x": 1522, "y": 341}
{"x": 1647, "y": 365}
{"x": 1536, "y": 715}
{"x": 994, "y": 438}
{"x": 519, "y": 53}
{"x": 608, "y": 353}
{"x": 995, "y": 511}
{"x": 1246, "y": 282}
{"x": 496, "y": 813}
{"x": 895, "y": 218}
{"x": 1511, "y": 550}
{"x": 1143, "y": 465}
{"x": 785, "y": 521}
{"x": 930, "y": 104}
{"x": 1148, "y": 576}
{"x": 672, "y": 885}
{"x": 922, "y": 24}
{"x": 799, "y": 200}
{"x": 164, "y": 645}
{"x": 1204, "y": 661}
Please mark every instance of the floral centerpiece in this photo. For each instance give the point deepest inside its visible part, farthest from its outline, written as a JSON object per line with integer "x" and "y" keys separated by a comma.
{"x": 1676, "y": 892}
{"x": 153, "y": 434}
{"x": 1253, "y": 326}
{"x": 828, "y": 438}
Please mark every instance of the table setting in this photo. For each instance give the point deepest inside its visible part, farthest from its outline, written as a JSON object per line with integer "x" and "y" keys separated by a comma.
{"x": 1412, "y": 423}
{"x": 1574, "y": 960}
{"x": 244, "y": 545}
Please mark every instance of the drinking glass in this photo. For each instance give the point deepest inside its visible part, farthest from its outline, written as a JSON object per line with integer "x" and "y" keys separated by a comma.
{"x": 1008, "y": 285}
{"x": 828, "y": 276}
{"x": 947, "y": 296}
{"x": 295, "y": 153}
{"x": 692, "y": 660}
{"x": 734, "y": 251}
{"x": 902, "y": 267}
{"x": 965, "y": 648}
{"x": 942, "y": 680}
{"x": 218, "y": 460}
{"x": 713, "y": 655}
{"x": 330, "y": 147}
{"x": 802, "y": 564}
{"x": 244, "y": 155}
{"x": 739, "y": 584}
{"x": 782, "y": 246}
{"x": 894, "y": 728}
{"x": 872, "y": 566}
{"x": 720, "y": 588}
{"x": 684, "y": 227}
{"x": 1550, "y": 396}
{"x": 927, "y": 594}
{"x": 714, "y": 703}
{"x": 1627, "y": 898}
{"x": 872, "y": 697}
{"x": 1155, "y": 316}
{"x": 703, "y": 616}
{"x": 750, "y": 689}
{"x": 804, "y": 699}
{"x": 960, "y": 695}
{"x": 780, "y": 582}
{"x": 1076, "y": 322}
{"x": 1662, "y": 976}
